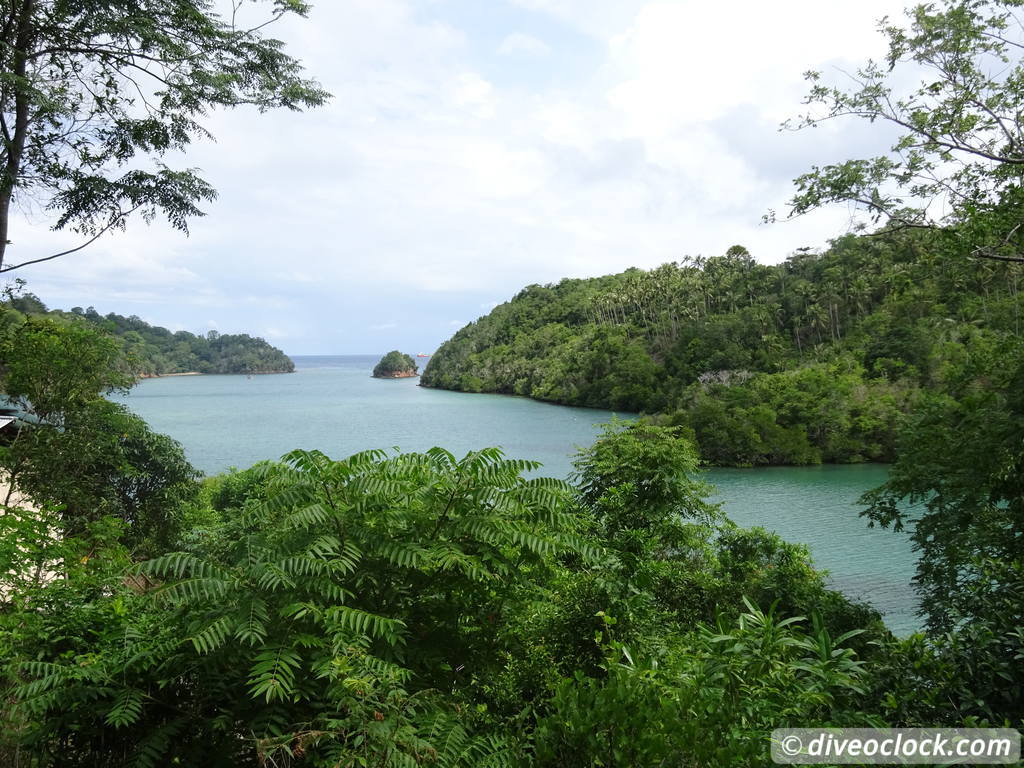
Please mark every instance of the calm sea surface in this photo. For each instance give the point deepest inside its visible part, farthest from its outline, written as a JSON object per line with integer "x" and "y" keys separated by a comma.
{"x": 333, "y": 404}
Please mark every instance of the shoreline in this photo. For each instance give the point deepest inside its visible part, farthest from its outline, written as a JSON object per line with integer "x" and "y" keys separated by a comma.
{"x": 200, "y": 373}
{"x": 535, "y": 399}
{"x": 640, "y": 415}
{"x": 396, "y": 375}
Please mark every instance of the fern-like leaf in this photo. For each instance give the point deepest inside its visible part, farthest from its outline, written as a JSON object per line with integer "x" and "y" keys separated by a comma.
{"x": 126, "y": 710}
{"x": 272, "y": 675}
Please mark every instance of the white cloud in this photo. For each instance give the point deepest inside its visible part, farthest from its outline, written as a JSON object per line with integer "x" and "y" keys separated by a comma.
{"x": 519, "y": 44}
{"x": 596, "y": 19}
{"x": 471, "y": 92}
{"x": 690, "y": 62}
{"x": 440, "y": 177}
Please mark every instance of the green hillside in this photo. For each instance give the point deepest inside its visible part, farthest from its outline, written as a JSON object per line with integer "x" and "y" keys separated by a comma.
{"x": 154, "y": 351}
{"x": 814, "y": 359}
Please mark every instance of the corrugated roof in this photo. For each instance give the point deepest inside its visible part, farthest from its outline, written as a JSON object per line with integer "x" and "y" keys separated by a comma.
{"x": 11, "y": 407}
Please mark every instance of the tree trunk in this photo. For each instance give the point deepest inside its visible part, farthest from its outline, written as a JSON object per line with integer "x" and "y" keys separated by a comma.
{"x": 15, "y": 143}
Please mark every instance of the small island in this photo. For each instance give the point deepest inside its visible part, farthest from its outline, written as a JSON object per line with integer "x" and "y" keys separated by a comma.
{"x": 395, "y": 365}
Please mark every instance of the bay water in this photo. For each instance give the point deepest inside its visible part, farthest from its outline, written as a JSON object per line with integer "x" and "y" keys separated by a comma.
{"x": 331, "y": 403}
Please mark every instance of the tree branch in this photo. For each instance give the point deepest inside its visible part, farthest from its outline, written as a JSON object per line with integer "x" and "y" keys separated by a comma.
{"x": 121, "y": 216}
{"x": 979, "y": 253}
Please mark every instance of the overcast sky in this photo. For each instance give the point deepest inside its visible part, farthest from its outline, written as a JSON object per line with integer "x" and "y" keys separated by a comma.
{"x": 473, "y": 147}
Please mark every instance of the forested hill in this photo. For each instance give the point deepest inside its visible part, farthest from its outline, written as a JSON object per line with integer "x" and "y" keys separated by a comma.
{"x": 155, "y": 351}
{"x": 811, "y": 360}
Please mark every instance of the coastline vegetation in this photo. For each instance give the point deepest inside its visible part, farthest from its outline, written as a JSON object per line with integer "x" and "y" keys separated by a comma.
{"x": 150, "y": 350}
{"x": 424, "y": 609}
{"x": 406, "y": 609}
{"x": 818, "y": 359}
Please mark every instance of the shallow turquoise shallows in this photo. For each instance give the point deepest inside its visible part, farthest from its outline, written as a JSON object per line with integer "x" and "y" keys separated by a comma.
{"x": 333, "y": 404}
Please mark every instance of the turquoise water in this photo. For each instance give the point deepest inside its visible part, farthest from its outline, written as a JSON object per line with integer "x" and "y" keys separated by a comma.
{"x": 333, "y": 404}
{"x": 818, "y": 506}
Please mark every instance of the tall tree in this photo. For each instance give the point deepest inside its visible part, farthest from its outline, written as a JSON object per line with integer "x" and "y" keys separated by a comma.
{"x": 959, "y": 159}
{"x": 95, "y": 93}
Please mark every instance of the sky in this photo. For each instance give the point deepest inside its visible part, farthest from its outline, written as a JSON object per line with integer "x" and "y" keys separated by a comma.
{"x": 474, "y": 147}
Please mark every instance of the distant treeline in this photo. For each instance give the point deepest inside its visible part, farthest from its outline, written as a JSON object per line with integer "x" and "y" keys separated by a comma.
{"x": 815, "y": 359}
{"x": 154, "y": 351}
